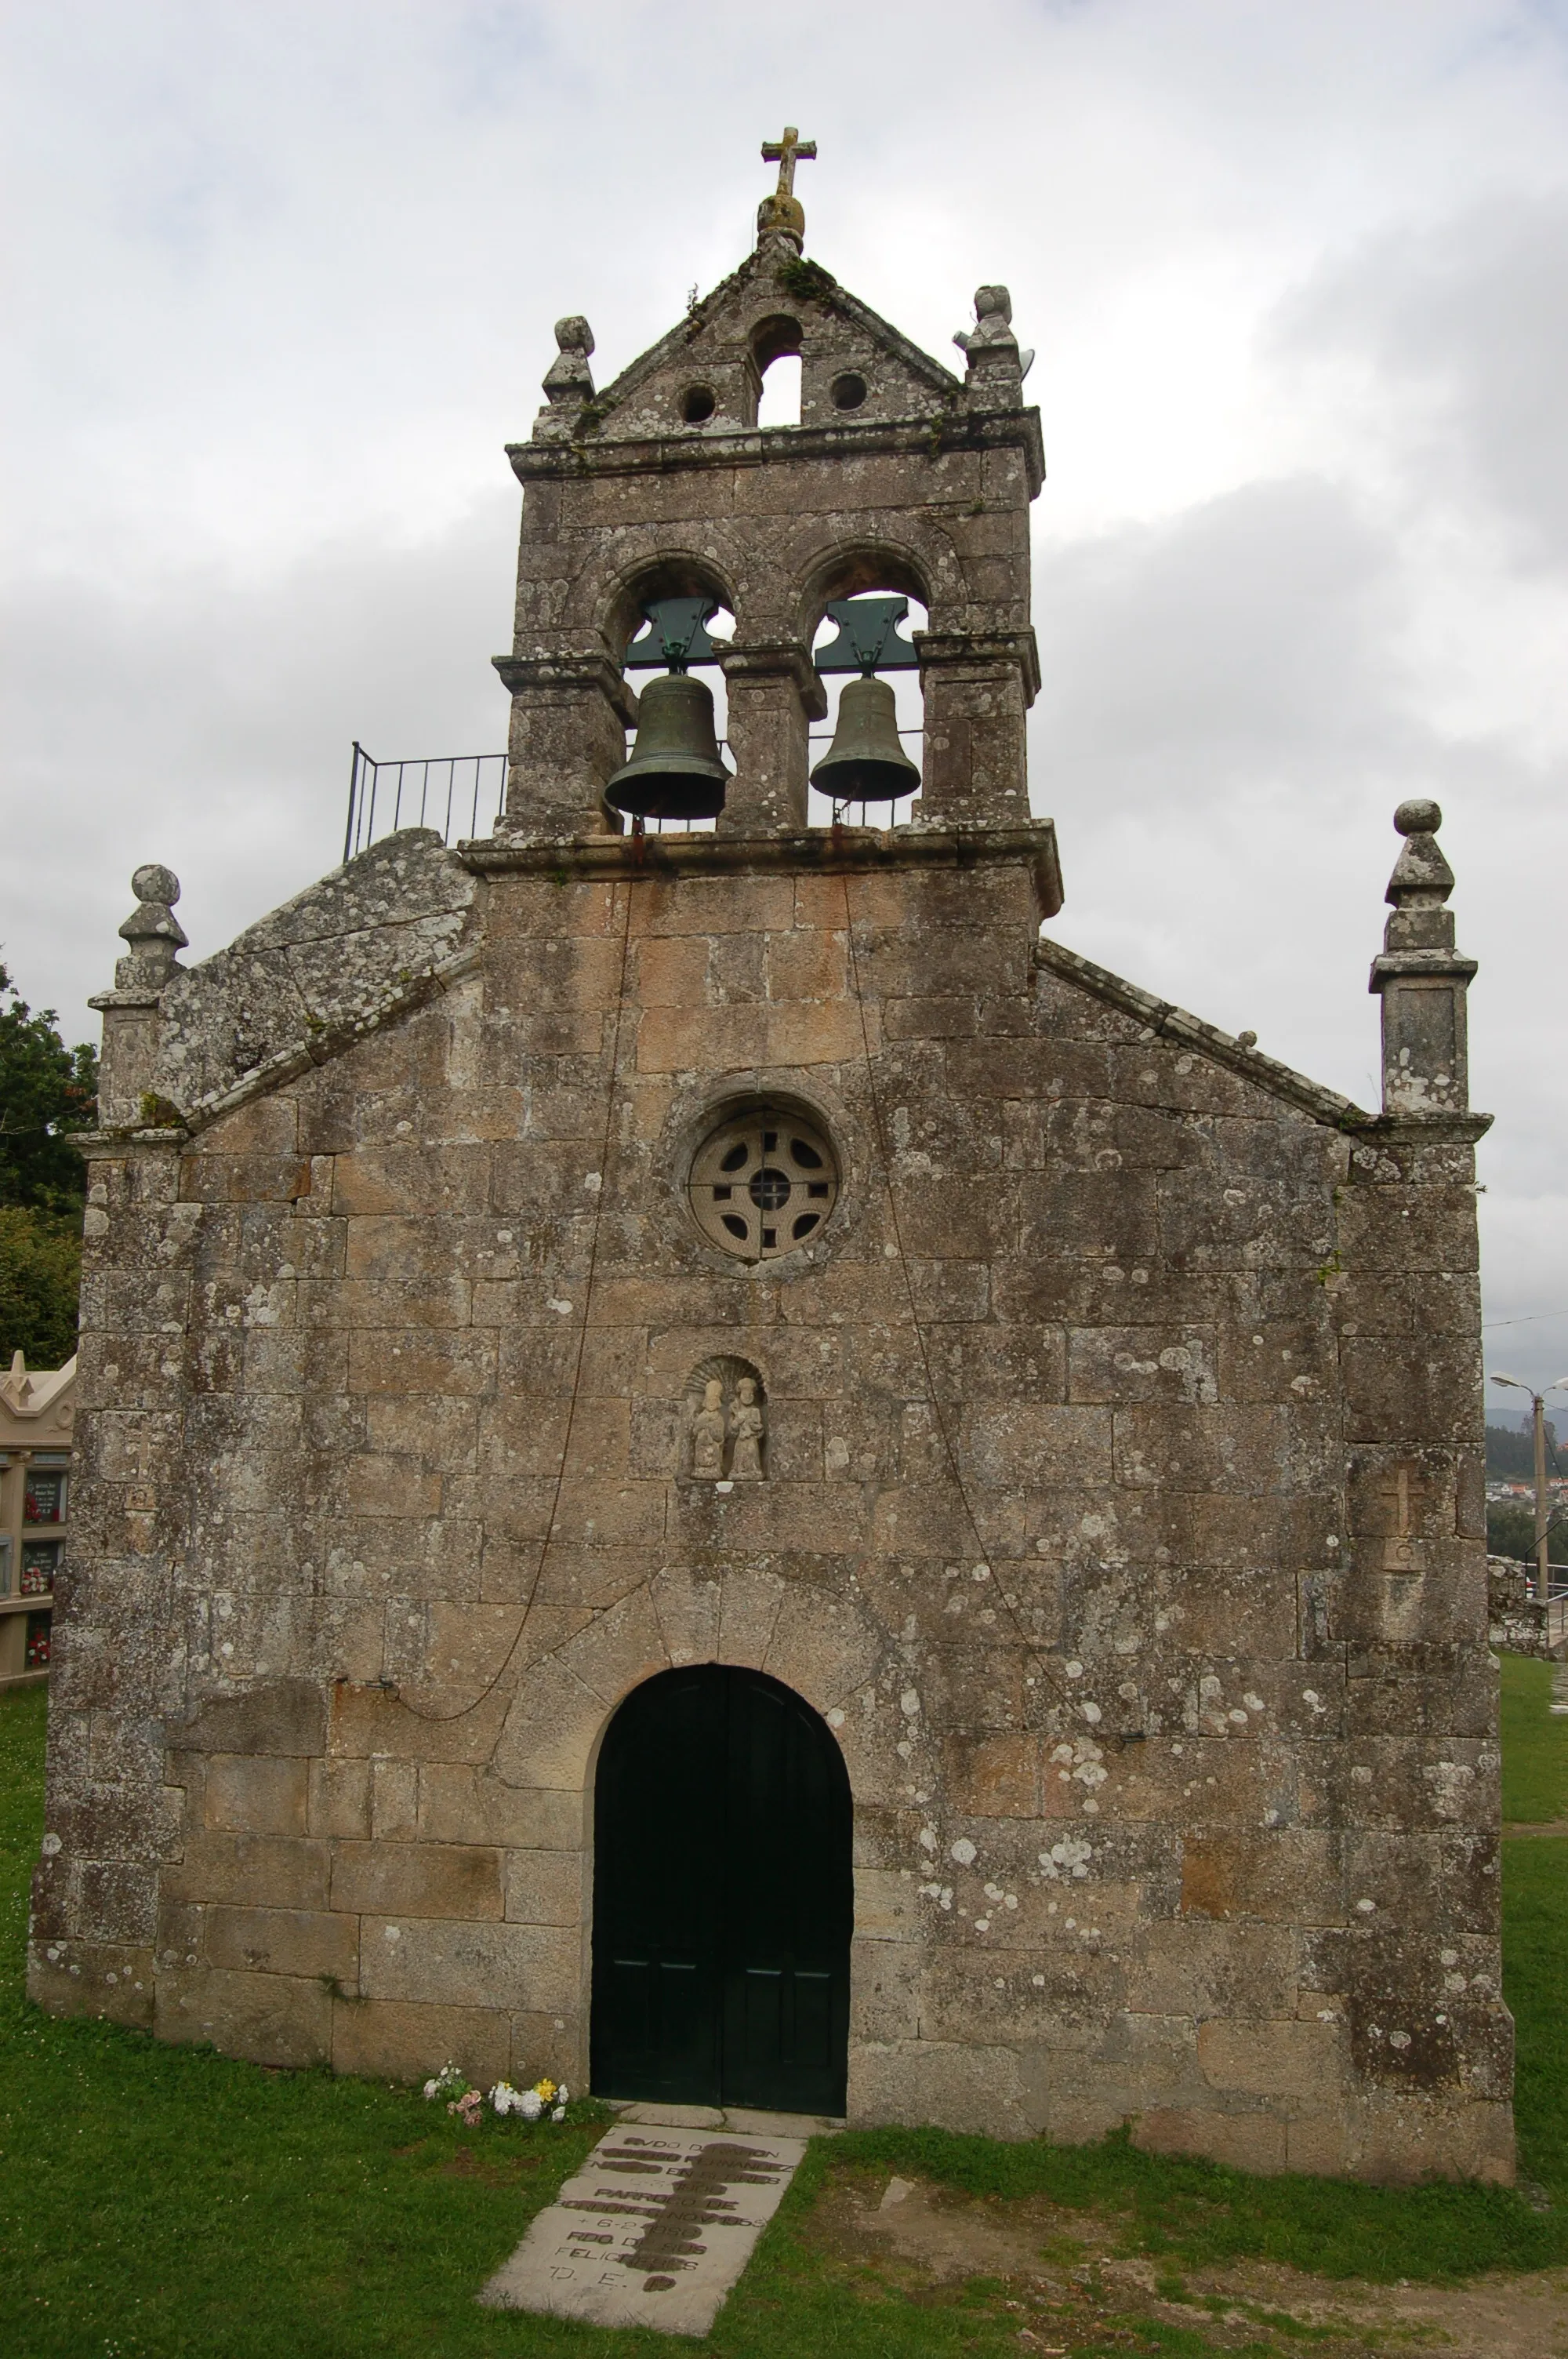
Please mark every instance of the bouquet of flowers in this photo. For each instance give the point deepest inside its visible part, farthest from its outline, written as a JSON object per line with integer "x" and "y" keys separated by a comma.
{"x": 547, "y": 2098}
{"x": 465, "y": 2102}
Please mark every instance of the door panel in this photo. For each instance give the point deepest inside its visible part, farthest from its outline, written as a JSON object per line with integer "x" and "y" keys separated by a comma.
{"x": 723, "y": 1897}
{"x": 789, "y": 1905}
{"x": 657, "y": 1895}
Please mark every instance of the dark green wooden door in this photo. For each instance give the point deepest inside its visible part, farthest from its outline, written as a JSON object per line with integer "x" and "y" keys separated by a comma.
{"x": 722, "y": 1897}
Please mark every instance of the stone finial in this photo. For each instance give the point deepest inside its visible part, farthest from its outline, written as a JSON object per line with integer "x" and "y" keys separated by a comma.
{"x": 1422, "y": 878}
{"x": 154, "y": 932}
{"x": 782, "y": 216}
{"x": 989, "y": 346}
{"x": 1420, "y": 977}
{"x": 569, "y": 379}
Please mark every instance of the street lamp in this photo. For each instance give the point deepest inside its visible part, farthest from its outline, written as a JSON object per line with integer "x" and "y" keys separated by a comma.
{"x": 1538, "y": 1401}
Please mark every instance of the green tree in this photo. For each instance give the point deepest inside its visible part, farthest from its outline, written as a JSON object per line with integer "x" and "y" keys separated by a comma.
{"x": 41, "y": 1271}
{"x": 46, "y": 1090}
{"x": 1510, "y": 1450}
{"x": 1511, "y": 1531}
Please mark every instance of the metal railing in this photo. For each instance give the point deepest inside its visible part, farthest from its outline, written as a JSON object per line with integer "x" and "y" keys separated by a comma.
{"x": 457, "y": 794}
{"x": 454, "y": 792}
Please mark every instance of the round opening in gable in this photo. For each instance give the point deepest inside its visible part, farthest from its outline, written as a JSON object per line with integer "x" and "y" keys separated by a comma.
{"x": 697, "y": 404}
{"x": 846, "y": 392}
{"x": 763, "y": 1183}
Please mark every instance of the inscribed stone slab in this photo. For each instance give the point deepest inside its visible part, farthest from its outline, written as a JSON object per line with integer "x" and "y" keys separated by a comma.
{"x": 654, "y": 2231}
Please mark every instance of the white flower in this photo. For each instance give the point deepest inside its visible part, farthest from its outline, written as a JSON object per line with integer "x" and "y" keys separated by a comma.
{"x": 503, "y": 2097}
{"x": 559, "y": 2114}
{"x": 563, "y": 2094}
{"x": 432, "y": 2088}
{"x": 530, "y": 2105}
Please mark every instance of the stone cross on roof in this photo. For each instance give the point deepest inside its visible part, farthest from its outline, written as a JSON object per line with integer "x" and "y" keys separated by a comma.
{"x": 783, "y": 213}
{"x": 786, "y": 153}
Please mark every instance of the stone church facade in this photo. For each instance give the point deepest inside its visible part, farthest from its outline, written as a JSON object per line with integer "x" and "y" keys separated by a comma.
{"x": 1091, "y": 1463}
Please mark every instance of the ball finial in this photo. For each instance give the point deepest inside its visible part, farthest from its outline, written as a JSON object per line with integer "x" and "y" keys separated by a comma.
{"x": 156, "y": 883}
{"x": 1419, "y": 816}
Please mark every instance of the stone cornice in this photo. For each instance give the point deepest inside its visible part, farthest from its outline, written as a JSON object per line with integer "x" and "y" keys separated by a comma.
{"x": 955, "y": 649}
{"x": 537, "y": 671}
{"x": 1308, "y": 1097}
{"x": 141, "y": 998}
{"x": 1173, "y": 1023}
{"x": 1443, "y": 963}
{"x": 818, "y": 851}
{"x": 1426, "y": 1129}
{"x": 94, "y": 1146}
{"x": 955, "y": 429}
{"x": 318, "y": 1047}
{"x": 777, "y": 659}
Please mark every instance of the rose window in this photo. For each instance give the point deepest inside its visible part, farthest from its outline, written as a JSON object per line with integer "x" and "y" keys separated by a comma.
{"x": 763, "y": 1183}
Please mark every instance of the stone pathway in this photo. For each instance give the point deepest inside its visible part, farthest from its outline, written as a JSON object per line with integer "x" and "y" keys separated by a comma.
{"x": 654, "y": 2231}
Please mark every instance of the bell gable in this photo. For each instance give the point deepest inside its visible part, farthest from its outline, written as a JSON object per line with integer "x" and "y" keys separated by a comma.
{"x": 705, "y": 377}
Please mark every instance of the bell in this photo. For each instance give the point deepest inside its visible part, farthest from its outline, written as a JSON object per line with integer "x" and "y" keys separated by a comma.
{"x": 865, "y": 762}
{"x": 674, "y": 771}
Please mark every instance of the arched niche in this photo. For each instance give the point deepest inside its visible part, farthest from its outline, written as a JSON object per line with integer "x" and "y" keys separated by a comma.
{"x": 712, "y": 1452}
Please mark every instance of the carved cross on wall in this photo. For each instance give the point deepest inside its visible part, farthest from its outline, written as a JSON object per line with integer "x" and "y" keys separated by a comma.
{"x": 1401, "y": 1553}
{"x": 786, "y": 153}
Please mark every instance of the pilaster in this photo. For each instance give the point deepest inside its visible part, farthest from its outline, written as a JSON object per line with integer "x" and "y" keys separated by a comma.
{"x": 570, "y": 712}
{"x": 977, "y": 691}
{"x": 130, "y": 1011}
{"x": 774, "y": 692}
{"x": 1420, "y": 978}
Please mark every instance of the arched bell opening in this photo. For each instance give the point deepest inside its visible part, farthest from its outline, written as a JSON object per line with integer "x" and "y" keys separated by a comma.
{"x": 778, "y": 401}
{"x": 673, "y": 621}
{"x": 723, "y": 1897}
{"x": 776, "y": 344}
{"x": 866, "y": 757}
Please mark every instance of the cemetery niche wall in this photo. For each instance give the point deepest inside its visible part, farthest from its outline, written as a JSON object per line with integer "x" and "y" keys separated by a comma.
{"x": 1092, "y": 1479}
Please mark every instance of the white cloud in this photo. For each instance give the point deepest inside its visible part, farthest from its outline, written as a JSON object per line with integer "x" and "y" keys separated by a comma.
{"x": 1461, "y": 328}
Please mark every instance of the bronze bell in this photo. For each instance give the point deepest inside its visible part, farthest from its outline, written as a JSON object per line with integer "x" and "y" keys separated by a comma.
{"x": 674, "y": 771}
{"x": 865, "y": 761}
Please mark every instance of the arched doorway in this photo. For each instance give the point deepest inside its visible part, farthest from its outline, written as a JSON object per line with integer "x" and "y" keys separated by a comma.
{"x": 722, "y": 1897}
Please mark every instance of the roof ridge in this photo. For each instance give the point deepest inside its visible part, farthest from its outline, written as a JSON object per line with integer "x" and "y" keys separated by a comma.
{"x": 1174, "y": 1023}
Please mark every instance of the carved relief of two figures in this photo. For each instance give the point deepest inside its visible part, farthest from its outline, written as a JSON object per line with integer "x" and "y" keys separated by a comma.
{"x": 727, "y": 1436}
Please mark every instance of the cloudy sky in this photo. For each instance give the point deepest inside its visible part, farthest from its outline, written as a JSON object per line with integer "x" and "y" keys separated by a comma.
{"x": 1297, "y": 274}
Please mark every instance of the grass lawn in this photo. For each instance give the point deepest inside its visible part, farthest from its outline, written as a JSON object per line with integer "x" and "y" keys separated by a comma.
{"x": 1535, "y": 1916}
{"x": 1535, "y": 1745}
{"x": 167, "y": 2203}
